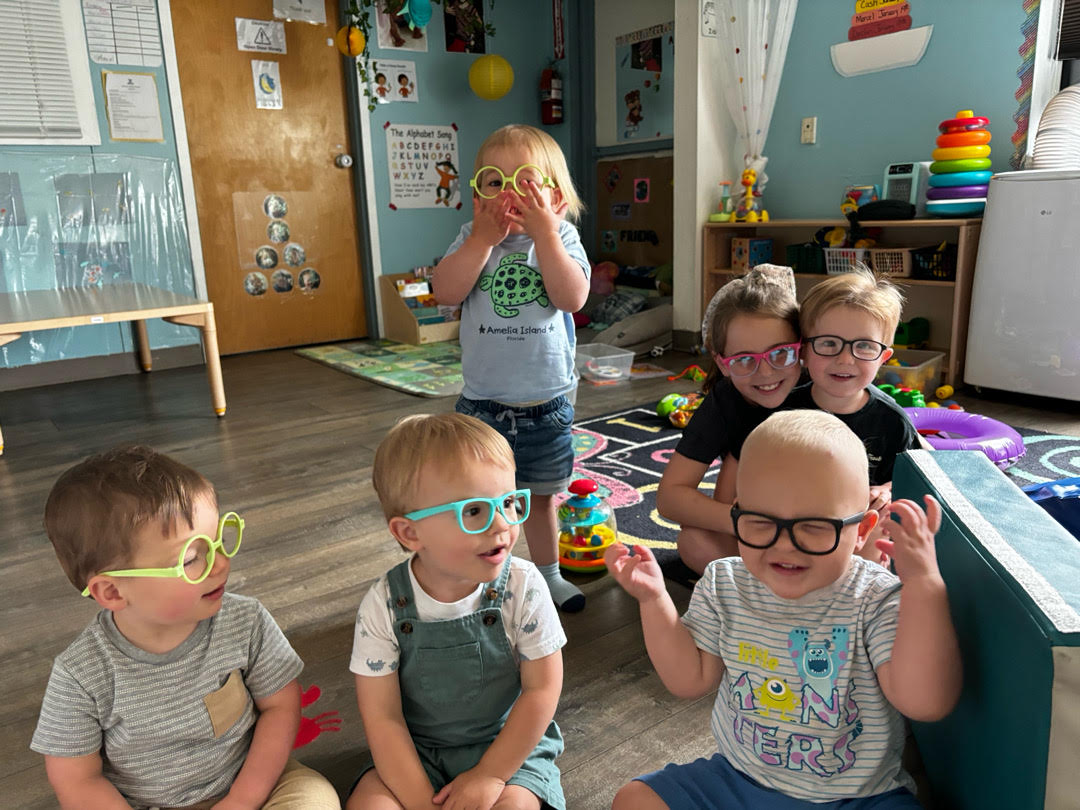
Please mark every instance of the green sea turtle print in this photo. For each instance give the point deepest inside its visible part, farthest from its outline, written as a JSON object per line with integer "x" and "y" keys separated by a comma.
{"x": 514, "y": 284}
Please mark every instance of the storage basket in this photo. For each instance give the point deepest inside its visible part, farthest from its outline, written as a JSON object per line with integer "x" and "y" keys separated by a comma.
{"x": 806, "y": 258}
{"x": 934, "y": 264}
{"x": 842, "y": 260}
{"x": 892, "y": 262}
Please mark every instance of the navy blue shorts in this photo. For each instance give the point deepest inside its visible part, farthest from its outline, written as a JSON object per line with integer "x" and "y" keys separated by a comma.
{"x": 713, "y": 784}
{"x": 539, "y": 435}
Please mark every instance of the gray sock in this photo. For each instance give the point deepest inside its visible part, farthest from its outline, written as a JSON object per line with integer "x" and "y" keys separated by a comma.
{"x": 565, "y": 595}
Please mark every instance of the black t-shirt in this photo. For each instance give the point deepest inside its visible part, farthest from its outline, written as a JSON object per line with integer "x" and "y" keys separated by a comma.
{"x": 720, "y": 425}
{"x": 883, "y": 426}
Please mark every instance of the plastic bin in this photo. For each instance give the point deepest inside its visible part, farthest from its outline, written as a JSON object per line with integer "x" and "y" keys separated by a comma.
{"x": 600, "y": 363}
{"x": 922, "y": 372}
{"x": 933, "y": 264}
{"x": 806, "y": 258}
{"x": 1061, "y": 500}
{"x": 842, "y": 260}
{"x": 893, "y": 262}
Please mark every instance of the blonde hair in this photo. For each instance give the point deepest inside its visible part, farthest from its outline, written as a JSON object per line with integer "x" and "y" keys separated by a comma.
{"x": 545, "y": 153}
{"x": 862, "y": 290}
{"x": 95, "y": 508}
{"x": 816, "y": 432}
{"x": 767, "y": 290}
{"x": 444, "y": 441}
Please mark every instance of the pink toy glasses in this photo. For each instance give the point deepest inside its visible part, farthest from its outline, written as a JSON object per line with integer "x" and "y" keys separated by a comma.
{"x": 779, "y": 357}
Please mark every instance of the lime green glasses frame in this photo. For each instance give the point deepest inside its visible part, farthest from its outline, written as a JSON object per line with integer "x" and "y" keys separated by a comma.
{"x": 534, "y": 174}
{"x": 475, "y": 515}
{"x": 230, "y": 521}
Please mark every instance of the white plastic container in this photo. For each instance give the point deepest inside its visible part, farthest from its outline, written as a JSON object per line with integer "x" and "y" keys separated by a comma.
{"x": 923, "y": 372}
{"x": 601, "y": 363}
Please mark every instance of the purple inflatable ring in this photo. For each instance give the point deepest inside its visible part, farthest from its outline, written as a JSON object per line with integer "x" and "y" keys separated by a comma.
{"x": 968, "y": 431}
{"x": 956, "y": 192}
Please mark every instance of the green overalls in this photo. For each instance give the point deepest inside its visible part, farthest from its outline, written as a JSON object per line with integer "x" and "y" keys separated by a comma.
{"x": 459, "y": 681}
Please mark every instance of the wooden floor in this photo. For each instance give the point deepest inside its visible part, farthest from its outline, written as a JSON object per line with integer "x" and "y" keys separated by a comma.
{"x": 293, "y": 456}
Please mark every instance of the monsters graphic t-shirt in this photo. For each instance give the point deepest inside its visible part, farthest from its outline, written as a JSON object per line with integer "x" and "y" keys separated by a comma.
{"x": 516, "y": 347}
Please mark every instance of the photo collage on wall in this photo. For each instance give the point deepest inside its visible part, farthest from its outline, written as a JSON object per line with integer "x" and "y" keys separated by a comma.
{"x": 281, "y": 261}
{"x": 645, "y": 103}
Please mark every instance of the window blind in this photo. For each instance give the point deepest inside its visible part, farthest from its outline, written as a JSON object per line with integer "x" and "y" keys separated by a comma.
{"x": 1068, "y": 38}
{"x": 37, "y": 95}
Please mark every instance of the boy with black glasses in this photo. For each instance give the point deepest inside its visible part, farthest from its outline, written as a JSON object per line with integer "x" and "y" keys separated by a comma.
{"x": 816, "y": 651}
{"x": 178, "y": 694}
{"x": 457, "y": 650}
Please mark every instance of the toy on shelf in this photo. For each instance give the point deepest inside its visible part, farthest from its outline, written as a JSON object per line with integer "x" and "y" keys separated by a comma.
{"x": 586, "y": 528}
{"x": 678, "y": 408}
{"x": 750, "y": 208}
{"x": 913, "y": 334}
{"x": 725, "y": 209}
{"x": 960, "y": 173}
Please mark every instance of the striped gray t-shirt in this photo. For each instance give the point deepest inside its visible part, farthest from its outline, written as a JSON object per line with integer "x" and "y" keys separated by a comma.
{"x": 172, "y": 729}
{"x": 799, "y": 707}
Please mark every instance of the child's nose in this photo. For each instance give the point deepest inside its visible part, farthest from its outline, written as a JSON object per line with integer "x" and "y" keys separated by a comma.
{"x": 221, "y": 564}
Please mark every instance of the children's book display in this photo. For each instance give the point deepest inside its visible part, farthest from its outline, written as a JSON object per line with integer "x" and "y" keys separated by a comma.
{"x": 415, "y": 291}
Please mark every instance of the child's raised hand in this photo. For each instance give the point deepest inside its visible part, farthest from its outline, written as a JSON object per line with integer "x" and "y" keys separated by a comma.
{"x": 538, "y": 216}
{"x": 880, "y": 497}
{"x": 491, "y": 221}
{"x": 910, "y": 542}
{"x": 470, "y": 790}
{"x": 639, "y": 575}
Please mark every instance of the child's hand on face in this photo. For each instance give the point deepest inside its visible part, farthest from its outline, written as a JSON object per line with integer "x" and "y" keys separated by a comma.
{"x": 880, "y": 497}
{"x": 491, "y": 220}
{"x": 639, "y": 575}
{"x": 538, "y": 216}
{"x": 470, "y": 790}
{"x": 910, "y": 542}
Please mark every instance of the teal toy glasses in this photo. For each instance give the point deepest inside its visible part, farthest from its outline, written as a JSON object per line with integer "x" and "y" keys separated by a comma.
{"x": 475, "y": 515}
{"x": 196, "y": 557}
{"x": 489, "y": 181}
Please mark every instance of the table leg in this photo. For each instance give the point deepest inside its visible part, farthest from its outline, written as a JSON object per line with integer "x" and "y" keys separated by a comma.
{"x": 213, "y": 362}
{"x": 142, "y": 342}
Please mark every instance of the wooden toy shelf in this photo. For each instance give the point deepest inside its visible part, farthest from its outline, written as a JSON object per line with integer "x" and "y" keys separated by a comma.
{"x": 944, "y": 303}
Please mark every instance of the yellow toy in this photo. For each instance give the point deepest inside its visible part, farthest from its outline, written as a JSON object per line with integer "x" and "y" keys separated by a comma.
{"x": 586, "y": 528}
{"x": 750, "y": 208}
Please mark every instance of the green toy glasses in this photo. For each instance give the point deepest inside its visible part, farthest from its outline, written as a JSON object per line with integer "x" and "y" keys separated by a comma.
{"x": 489, "y": 181}
{"x": 475, "y": 515}
{"x": 196, "y": 557}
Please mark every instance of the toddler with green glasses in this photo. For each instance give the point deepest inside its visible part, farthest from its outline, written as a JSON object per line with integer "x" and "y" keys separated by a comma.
{"x": 178, "y": 694}
{"x": 519, "y": 271}
{"x": 457, "y": 650}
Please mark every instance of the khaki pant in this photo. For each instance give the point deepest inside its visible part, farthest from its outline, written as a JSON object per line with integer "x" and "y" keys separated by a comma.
{"x": 299, "y": 788}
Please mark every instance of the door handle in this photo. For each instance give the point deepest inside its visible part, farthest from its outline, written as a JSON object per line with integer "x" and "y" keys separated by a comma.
{"x": 343, "y": 161}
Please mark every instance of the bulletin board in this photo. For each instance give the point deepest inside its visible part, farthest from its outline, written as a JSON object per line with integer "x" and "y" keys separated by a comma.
{"x": 635, "y": 210}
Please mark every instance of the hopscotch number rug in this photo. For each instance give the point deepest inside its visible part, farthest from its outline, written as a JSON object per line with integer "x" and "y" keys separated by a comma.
{"x": 427, "y": 370}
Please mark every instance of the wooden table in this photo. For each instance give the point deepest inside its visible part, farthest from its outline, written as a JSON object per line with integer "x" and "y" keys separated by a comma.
{"x": 82, "y": 306}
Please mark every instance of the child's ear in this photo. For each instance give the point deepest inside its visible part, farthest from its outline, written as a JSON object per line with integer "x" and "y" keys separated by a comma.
{"x": 723, "y": 368}
{"x": 885, "y": 355}
{"x": 866, "y": 525}
{"x": 403, "y": 531}
{"x": 105, "y": 592}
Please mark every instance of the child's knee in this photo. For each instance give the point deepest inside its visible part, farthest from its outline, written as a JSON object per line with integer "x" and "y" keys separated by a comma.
{"x": 637, "y": 795}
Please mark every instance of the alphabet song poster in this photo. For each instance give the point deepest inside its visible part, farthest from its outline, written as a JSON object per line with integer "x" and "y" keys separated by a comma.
{"x": 422, "y": 161}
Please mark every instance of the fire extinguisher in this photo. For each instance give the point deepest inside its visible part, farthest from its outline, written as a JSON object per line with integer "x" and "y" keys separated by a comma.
{"x": 551, "y": 111}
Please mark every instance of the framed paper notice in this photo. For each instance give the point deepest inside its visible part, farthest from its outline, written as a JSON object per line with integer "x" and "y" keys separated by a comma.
{"x": 131, "y": 105}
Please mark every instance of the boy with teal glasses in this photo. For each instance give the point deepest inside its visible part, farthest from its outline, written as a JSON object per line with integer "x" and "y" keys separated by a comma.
{"x": 178, "y": 694}
{"x": 457, "y": 650}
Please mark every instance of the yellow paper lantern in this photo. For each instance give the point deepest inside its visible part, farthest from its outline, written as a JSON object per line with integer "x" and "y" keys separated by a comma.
{"x": 350, "y": 40}
{"x": 491, "y": 77}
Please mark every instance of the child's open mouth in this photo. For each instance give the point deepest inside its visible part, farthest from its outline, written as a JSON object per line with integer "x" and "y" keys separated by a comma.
{"x": 787, "y": 569}
{"x": 768, "y": 389}
{"x": 215, "y": 594}
{"x": 497, "y": 554}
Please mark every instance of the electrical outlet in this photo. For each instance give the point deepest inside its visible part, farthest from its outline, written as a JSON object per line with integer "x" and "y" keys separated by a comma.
{"x": 808, "y": 131}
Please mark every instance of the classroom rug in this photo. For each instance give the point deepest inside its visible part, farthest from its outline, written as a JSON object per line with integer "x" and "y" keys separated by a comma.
{"x": 427, "y": 370}
{"x": 626, "y": 453}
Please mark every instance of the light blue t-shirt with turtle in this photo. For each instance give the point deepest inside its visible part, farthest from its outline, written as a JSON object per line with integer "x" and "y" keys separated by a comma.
{"x": 516, "y": 347}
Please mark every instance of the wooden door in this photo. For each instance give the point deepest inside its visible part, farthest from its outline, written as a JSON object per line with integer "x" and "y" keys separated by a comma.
{"x": 277, "y": 216}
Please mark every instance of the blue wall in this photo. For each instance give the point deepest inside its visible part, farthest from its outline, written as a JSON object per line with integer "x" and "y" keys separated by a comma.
{"x": 416, "y": 236}
{"x": 869, "y": 121}
{"x": 27, "y": 256}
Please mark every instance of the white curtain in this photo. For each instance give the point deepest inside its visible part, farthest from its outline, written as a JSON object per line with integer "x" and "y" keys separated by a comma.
{"x": 753, "y": 39}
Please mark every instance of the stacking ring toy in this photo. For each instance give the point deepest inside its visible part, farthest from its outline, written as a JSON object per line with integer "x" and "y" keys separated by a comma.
{"x": 964, "y": 165}
{"x": 956, "y": 192}
{"x": 960, "y": 179}
{"x": 961, "y": 152}
{"x": 971, "y": 138}
{"x": 965, "y": 120}
{"x": 969, "y": 431}
{"x": 955, "y": 208}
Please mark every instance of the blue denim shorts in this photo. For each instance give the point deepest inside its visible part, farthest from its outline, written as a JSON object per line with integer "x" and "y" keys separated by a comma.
{"x": 539, "y": 435}
{"x": 713, "y": 784}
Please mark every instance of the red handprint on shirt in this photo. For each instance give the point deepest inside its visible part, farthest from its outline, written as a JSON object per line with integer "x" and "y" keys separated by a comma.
{"x": 312, "y": 727}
